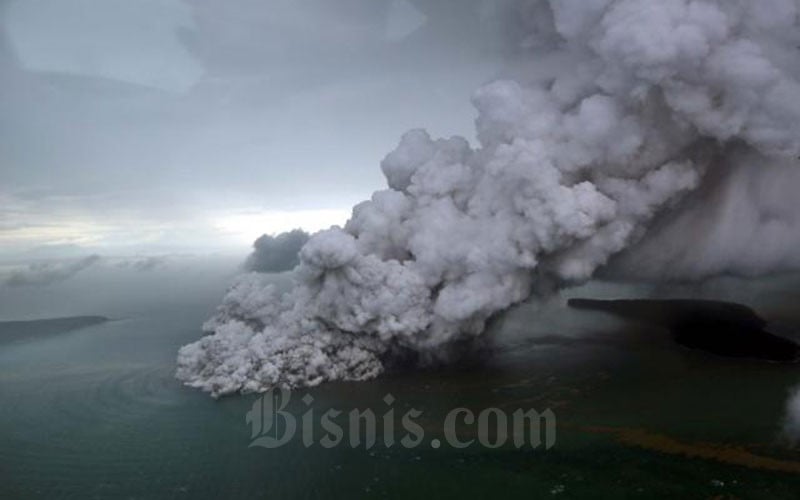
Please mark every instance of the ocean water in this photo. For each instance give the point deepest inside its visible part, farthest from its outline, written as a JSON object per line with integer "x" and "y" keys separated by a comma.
{"x": 97, "y": 413}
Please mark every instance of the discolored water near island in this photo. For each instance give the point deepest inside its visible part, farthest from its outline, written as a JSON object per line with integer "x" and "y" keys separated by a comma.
{"x": 95, "y": 412}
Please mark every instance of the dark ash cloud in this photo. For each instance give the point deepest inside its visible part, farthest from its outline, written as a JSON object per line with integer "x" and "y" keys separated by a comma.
{"x": 273, "y": 254}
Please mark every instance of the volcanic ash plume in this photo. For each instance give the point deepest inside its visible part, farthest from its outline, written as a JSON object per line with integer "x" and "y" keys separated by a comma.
{"x": 273, "y": 254}
{"x": 642, "y": 99}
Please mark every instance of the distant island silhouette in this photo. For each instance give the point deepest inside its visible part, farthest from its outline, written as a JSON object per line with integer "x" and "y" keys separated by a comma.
{"x": 722, "y": 328}
{"x": 14, "y": 331}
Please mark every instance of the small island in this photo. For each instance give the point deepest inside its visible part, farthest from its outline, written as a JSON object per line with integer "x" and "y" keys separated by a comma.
{"x": 722, "y": 328}
{"x": 16, "y": 331}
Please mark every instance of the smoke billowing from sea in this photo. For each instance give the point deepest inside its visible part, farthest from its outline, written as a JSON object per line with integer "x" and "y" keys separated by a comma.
{"x": 629, "y": 115}
{"x": 791, "y": 425}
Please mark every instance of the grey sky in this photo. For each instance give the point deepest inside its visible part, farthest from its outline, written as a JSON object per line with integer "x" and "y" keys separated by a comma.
{"x": 166, "y": 125}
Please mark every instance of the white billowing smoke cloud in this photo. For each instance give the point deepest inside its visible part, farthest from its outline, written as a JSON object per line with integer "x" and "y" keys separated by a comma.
{"x": 648, "y": 97}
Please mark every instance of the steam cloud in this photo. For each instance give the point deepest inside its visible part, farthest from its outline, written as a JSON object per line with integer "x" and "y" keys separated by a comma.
{"x": 273, "y": 254}
{"x": 629, "y": 107}
{"x": 791, "y": 426}
{"x": 43, "y": 274}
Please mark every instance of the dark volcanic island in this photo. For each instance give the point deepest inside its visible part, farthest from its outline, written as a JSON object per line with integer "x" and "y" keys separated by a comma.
{"x": 16, "y": 331}
{"x": 722, "y": 328}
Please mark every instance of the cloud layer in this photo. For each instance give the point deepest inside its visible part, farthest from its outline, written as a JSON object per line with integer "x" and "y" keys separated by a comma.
{"x": 43, "y": 274}
{"x": 149, "y": 110}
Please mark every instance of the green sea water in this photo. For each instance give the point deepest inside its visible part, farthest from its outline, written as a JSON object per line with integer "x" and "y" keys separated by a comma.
{"x": 97, "y": 413}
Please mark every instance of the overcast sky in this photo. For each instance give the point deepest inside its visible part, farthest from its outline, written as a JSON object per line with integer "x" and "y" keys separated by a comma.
{"x": 168, "y": 125}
